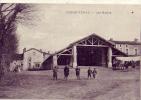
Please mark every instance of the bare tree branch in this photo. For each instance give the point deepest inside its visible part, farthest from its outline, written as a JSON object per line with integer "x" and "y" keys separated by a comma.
{"x": 10, "y": 14}
{"x": 7, "y": 9}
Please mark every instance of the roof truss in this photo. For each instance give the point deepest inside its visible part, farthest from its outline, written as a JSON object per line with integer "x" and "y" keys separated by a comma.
{"x": 65, "y": 52}
{"x": 91, "y": 41}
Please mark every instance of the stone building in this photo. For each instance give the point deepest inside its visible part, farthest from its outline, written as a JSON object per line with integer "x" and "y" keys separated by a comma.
{"x": 92, "y": 50}
{"x": 33, "y": 58}
{"x": 131, "y": 48}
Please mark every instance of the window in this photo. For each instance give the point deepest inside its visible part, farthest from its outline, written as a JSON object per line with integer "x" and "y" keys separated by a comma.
{"x": 126, "y": 45}
{"x": 34, "y": 53}
{"x": 29, "y": 59}
{"x": 37, "y": 65}
{"x": 126, "y": 51}
{"x": 29, "y": 65}
{"x": 120, "y": 45}
{"x": 136, "y": 52}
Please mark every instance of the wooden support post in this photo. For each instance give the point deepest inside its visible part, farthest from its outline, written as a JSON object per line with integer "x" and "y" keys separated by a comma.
{"x": 109, "y": 57}
{"x": 74, "y": 56}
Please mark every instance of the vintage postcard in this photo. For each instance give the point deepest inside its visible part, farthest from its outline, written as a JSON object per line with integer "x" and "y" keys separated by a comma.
{"x": 70, "y": 51}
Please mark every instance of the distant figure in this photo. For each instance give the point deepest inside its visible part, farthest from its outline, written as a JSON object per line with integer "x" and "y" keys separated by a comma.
{"x": 77, "y": 70}
{"x": 55, "y": 70}
{"x": 94, "y": 72}
{"x": 19, "y": 68}
{"x": 89, "y": 73}
{"x": 16, "y": 69}
{"x": 114, "y": 64}
{"x": 126, "y": 64}
{"x": 133, "y": 64}
{"x": 66, "y": 72}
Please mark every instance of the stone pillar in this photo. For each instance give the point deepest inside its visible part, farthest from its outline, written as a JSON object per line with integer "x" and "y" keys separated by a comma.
{"x": 74, "y": 56}
{"x": 109, "y": 57}
{"x": 55, "y": 60}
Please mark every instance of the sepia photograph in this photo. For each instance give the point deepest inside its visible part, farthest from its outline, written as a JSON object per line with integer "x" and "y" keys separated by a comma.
{"x": 70, "y": 51}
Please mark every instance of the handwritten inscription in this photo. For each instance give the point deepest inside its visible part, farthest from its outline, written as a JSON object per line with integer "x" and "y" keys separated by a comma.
{"x": 87, "y": 12}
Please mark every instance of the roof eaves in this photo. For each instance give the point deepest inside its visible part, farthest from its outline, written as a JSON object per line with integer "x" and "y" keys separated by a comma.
{"x": 127, "y": 42}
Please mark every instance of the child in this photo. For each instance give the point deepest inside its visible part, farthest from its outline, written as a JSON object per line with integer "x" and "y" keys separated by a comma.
{"x": 55, "y": 73}
{"x": 94, "y": 72}
{"x": 66, "y": 72}
{"x": 77, "y": 72}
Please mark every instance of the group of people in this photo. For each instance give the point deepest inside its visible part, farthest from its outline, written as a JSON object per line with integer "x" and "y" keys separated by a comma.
{"x": 17, "y": 68}
{"x": 118, "y": 64}
{"x": 92, "y": 73}
{"x": 77, "y": 71}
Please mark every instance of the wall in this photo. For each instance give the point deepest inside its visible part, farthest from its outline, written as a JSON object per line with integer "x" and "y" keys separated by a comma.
{"x": 33, "y": 57}
{"x": 131, "y": 48}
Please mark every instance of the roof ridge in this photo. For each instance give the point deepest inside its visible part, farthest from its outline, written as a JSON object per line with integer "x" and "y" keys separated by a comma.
{"x": 133, "y": 42}
{"x": 35, "y": 49}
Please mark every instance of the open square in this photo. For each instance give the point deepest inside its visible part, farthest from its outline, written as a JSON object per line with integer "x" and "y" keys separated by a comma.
{"x": 109, "y": 85}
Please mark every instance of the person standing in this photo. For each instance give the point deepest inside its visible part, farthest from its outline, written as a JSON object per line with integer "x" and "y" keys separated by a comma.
{"x": 89, "y": 72}
{"x": 55, "y": 70}
{"x": 66, "y": 72}
{"x": 77, "y": 70}
{"x": 133, "y": 64}
{"x": 94, "y": 72}
{"x": 114, "y": 64}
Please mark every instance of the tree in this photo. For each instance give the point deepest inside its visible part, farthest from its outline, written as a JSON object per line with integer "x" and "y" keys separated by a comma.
{"x": 10, "y": 15}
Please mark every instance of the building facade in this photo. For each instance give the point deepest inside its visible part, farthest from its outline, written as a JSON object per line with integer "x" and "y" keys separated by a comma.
{"x": 131, "y": 48}
{"x": 33, "y": 58}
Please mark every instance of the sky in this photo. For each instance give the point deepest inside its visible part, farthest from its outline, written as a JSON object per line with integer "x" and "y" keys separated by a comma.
{"x": 57, "y": 25}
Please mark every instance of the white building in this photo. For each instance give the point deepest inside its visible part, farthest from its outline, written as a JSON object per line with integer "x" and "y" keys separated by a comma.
{"x": 132, "y": 48}
{"x": 33, "y": 58}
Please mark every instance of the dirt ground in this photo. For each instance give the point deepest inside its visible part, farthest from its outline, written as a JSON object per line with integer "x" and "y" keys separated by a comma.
{"x": 108, "y": 85}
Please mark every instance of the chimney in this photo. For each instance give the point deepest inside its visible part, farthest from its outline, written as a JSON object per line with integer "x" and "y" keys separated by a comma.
{"x": 136, "y": 40}
{"x": 111, "y": 39}
{"x": 24, "y": 50}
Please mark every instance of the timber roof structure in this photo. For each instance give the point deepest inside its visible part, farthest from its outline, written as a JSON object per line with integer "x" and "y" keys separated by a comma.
{"x": 93, "y": 40}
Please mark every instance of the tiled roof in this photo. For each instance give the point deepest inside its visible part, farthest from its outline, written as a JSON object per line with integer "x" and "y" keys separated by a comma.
{"x": 36, "y": 50}
{"x": 127, "y": 42}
